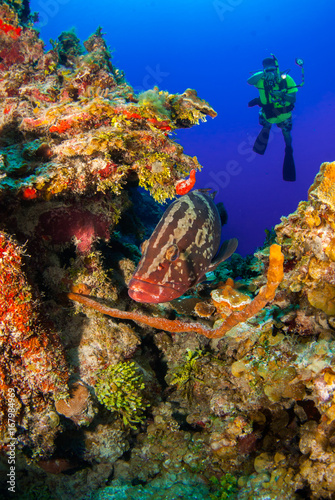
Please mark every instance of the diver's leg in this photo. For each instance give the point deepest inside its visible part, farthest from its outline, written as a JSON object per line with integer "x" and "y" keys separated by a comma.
{"x": 288, "y": 165}
{"x": 263, "y": 137}
{"x": 287, "y": 138}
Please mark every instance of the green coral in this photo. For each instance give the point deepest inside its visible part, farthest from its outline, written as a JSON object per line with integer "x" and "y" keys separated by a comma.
{"x": 67, "y": 46}
{"x": 14, "y": 4}
{"x": 155, "y": 176}
{"x": 119, "y": 388}
{"x": 39, "y": 491}
{"x": 154, "y": 100}
{"x": 185, "y": 375}
{"x": 226, "y": 487}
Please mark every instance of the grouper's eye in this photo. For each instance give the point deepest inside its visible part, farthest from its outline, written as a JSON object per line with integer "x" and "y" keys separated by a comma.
{"x": 172, "y": 253}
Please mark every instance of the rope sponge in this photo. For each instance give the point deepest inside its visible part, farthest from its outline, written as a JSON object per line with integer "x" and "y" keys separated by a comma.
{"x": 266, "y": 294}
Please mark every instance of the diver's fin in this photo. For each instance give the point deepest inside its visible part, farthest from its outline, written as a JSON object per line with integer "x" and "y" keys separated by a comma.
{"x": 262, "y": 141}
{"x": 228, "y": 247}
{"x": 222, "y": 212}
{"x": 288, "y": 165}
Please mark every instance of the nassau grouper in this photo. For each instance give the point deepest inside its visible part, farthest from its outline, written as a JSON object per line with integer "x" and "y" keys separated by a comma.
{"x": 181, "y": 250}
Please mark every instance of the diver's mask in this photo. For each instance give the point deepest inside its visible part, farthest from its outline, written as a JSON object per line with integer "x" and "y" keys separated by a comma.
{"x": 270, "y": 75}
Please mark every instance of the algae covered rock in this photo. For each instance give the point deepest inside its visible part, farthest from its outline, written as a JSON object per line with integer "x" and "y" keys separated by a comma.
{"x": 307, "y": 237}
{"x": 71, "y": 124}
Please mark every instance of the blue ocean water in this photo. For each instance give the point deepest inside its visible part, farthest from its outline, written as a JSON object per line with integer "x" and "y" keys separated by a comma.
{"x": 212, "y": 46}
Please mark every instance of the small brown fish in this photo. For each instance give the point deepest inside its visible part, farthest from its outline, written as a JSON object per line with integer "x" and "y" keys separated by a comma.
{"x": 181, "y": 250}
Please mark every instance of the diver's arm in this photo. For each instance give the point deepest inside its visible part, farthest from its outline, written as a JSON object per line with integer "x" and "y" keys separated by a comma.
{"x": 284, "y": 96}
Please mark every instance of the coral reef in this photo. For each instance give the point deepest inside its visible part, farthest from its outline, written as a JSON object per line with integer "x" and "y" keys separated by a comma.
{"x": 72, "y": 125}
{"x": 228, "y": 392}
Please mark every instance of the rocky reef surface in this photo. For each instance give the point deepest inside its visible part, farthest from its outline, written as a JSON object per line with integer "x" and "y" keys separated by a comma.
{"x": 97, "y": 407}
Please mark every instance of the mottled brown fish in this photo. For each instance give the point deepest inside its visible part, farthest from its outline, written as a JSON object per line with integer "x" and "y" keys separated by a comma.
{"x": 181, "y": 250}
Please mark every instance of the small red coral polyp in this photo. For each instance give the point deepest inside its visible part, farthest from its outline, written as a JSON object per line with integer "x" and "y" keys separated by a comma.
{"x": 109, "y": 169}
{"x": 184, "y": 186}
{"x": 62, "y": 126}
{"x": 162, "y": 125}
{"x": 29, "y": 194}
{"x": 131, "y": 116}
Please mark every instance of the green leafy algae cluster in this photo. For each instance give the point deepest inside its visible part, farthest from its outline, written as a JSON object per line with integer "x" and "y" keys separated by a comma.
{"x": 119, "y": 388}
{"x": 226, "y": 487}
{"x": 185, "y": 375}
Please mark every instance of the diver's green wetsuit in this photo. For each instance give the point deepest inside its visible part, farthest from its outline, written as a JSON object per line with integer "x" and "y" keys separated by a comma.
{"x": 276, "y": 99}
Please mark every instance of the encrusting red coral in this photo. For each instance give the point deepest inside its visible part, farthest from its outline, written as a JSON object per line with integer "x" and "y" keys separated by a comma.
{"x": 10, "y": 30}
{"x": 274, "y": 277}
{"x": 32, "y": 359}
{"x": 63, "y": 224}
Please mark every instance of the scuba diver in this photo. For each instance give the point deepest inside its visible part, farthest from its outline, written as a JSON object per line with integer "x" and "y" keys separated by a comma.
{"x": 277, "y": 95}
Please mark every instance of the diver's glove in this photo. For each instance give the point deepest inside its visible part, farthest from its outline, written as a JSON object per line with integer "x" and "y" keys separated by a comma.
{"x": 254, "y": 102}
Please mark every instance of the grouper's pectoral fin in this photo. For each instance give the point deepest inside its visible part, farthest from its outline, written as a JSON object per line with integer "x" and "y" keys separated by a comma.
{"x": 228, "y": 247}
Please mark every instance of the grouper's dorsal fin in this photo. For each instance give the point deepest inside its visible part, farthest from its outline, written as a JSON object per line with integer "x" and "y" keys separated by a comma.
{"x": 207, "y": 191}
{"x": 228, "y": 247}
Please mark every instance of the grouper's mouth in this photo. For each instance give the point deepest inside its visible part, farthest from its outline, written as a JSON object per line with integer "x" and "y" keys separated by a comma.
{"x": 144, "y": 291}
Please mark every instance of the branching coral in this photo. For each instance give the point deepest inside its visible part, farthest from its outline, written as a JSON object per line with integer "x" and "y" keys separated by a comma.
{"x": 119, "y": 388}
{"x": 185, "y": 375}
{"x": 267, "y": 293}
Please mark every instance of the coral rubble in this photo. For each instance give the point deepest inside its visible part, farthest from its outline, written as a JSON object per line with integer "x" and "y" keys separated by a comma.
{"x": 228, "y": 392}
